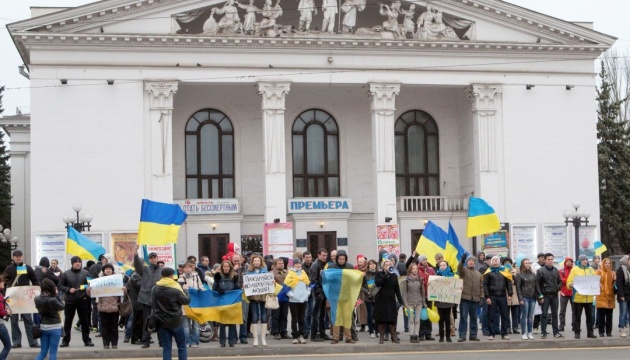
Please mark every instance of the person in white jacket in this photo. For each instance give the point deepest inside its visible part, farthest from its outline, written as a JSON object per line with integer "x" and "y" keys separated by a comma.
{"x": 298, "y": 281}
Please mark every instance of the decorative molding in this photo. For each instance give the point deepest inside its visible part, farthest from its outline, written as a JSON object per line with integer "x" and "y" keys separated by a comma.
{"x": 383, "y": 97}
{"x": 273, "y": 94}
{"x": 483, "y": 98}
{"x": 161, "y": 94}
{"x": 383, "y": 108}
{"x": 485, "y": 104}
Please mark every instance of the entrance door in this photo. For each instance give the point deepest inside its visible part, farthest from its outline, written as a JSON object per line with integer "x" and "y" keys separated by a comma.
{"x": 214, "y": 246}
{"x": 415, "y": 238}
{"x": 323, "y": 239}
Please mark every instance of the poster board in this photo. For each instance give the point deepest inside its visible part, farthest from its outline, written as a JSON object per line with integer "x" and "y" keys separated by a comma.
{"x": 388, "y": 238}
{"x": 445, "y": 289}
{"x": 524, "y": 240}
{"x": 554, "y": 240}
{"x": 587, "y": 285}
{"x": 52, "y": 246}
{"x": 497, "y": 242}
{"x": 259, "y": 284}
{"x": 124, "y": 246}
{"x": 111, "y": 285}
{"x": 164, "y": 253}
{"x": 278, "y": 240}
{"x": 21, "y": 299}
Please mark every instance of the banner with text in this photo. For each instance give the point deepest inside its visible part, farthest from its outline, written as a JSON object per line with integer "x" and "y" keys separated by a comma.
{"x": 259, "y": 284}
{"x": 319, "y": 205}
{"x": 164, "y": 253}
{"x": 209, "y": 206}
{"x": 278, "y": 240}
{"x": 388, "y": 238}
{"x": 21, "y": 299}
{"x": 445, "y": 289}
{"x": 107, "y": 286}
{"x": 52, "y": 246}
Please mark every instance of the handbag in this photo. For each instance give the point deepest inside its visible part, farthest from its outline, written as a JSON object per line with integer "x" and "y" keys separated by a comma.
{"x": 125, "y": 307}
{"x": 37, "y": 331}
{"x": 271, "y": 302}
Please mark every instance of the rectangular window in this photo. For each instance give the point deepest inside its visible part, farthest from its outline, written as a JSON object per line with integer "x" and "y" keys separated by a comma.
{"x": 191, "y": 188}
{"x": 298, "y": 187}
{"x": 228, "y": 188}
{"x": 226, "y": 151}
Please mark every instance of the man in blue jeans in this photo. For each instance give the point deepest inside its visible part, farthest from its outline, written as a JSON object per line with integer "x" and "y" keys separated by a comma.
{"x": 307, "y": 261}
{"x": 168, "y": 299}
{"x": 472, "y": 292}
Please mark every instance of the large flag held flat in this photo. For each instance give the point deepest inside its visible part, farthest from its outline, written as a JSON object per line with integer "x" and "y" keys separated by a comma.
{"x": 208, "y": 305}
{"x": 342, "y": 287}
{"x": 159, "y": 223}
{"x": 454, "y": 250}
{"x": 482, "y": 219}
{"x": 79, "y": 245}
{"x": 432, "y": 241}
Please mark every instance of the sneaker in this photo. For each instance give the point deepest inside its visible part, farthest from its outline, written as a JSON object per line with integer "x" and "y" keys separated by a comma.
{"x": 524, "y": 336}
{"x": 505, "y": 337}
{"x": 530, "y": 336}
{"x": 372, "y": 335}
{"x": 543, "y": 336}
{"x": 535, "y": 330}
{"x": 301, "y": 340}
{"x": 622, "y": 333}
{"x": 277, "y": 337}
{"x": 490, "y": 337}
{"x": 295, "y": 341}
{"x": 194, "y": 346}
{"x": 559, "y": 336}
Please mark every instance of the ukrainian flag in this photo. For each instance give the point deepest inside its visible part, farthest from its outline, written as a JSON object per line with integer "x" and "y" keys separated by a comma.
{"x": 454, "y": 250}
{"x": 127, "y": 269}
{"x": 432, "y": 241}
{"x": 481, "y": 218}
{"x": 599, "y": 248}
{"x": 209, "y": 305}
{"x": 342, "y": 288}
{"x": 159, "y": 223}
{"x": 79, "y": 245}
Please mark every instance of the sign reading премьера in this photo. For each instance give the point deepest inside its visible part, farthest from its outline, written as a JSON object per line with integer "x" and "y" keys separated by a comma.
{"x": 319, "y": 205}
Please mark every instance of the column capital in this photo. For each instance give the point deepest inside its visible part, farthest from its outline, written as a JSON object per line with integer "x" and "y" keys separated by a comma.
{"x": 273, "y": 93}
{"x": 161, "y": 93}
{"x": 383, "y": 95}
{"x": 483, "y": 97}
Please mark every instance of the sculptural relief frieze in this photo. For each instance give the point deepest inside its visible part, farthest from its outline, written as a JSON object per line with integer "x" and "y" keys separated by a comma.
{"x": 336, "y": 18}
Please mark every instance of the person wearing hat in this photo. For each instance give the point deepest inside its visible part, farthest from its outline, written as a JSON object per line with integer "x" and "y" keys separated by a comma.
{"x": 548, "y": 285}
{"x": 341, "y": 262}
{"x": 425, "y": 270}
{"x": 472, "y": 293}
{"x": 149, "y": 276}
{"x": 566, "y": 294}
{"x": 480, "y": 260}
{"x": 74, "y": 297}
{"x": 20, "y": 274}
{"x": 297, "y": 279}
{"x": 108, "y": 312}
{"x": 167, "y": 299}
{"x": 582, "y": 302}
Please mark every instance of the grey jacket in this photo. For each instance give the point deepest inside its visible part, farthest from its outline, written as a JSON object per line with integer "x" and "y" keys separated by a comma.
{"x": 412, "y": 291}
{"x": 149, "y": 276}
{"x": 473, "y": 286}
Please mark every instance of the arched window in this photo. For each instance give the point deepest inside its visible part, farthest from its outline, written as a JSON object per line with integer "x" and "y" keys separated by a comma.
{"x": 315, "y": 155}
{"x": 417, "y": 161}
{"x": 209, "y": 156}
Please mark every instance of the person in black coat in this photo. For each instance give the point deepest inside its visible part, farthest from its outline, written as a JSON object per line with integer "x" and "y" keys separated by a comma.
{"x": 385, "y": 310}
{"x": 49, "y": 305}
{"x": 226, "y": 280}
{"x": 42, "y": 272}
{"x": 167, "y": 301}
{"x": 75, "y": 301}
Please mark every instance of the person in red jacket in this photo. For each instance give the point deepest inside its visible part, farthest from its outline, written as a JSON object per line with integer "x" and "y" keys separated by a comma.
{"x": 4, "y": 333}
{"x": 566, "y": 294}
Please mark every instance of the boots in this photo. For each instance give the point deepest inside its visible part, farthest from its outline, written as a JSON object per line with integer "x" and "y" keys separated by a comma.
{"x": 255, "y": 333}
{"x": 215, "y": 336}
{"x": 441, "y": 334}
{"x": 381, "y": 333}
{"x": 392, "y": 333}
{"x": 262, "y": 333}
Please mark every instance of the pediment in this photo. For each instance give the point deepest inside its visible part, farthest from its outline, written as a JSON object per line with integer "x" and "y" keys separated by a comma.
{"x": 479, "y": 22}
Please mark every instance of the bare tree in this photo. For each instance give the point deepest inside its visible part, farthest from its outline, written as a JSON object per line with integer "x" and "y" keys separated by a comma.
{"x": 617, "y": 66}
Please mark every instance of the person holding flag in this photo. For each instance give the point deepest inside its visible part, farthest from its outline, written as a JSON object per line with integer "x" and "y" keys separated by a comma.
{"x": 149, "y": 276}
{"x": 472, "y": 292}
{"x": 226, "y": 280}
{"x": 73, "y": 284}
{"x": 496, "y": 282}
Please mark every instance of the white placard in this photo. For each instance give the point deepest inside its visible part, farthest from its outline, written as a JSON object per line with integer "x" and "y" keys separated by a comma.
{"x": 164, "y": 253}
{"x": 555, "y": 240}
{"x": 107, "y": 286}
{"x": 524, "y": 239}
{"x": 445, "y": 289}
{"x": 259, "y": 284}
{"x": 587, "y": 285}
{"x": 21, "y": 299}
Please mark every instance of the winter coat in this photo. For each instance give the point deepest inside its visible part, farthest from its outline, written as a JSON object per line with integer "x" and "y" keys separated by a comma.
{"x": 49, "y": 307}
{"x": 10, "y": 273}
{"x": 496, "y": 285}
{"x": 514, "y": 301}
{"x": 192, "y": 280}
{"x": 385, "y": 310}
{"x": 149, "y": 276}
{"x": 133, "y": 290}
{"x": 623, "y": 288}
{"x": 412, "y": 291}
{"x": 168, "y": 303}
{"x": 526, "y": 286}
{"x": 579, "y": 271}
{"x": 108, "y": 304}
{"x": 425, "y": 273}
{"x": 316, "y": 277}
{"x": 473, "y": 286}
{"x": 606, "y": 297}
{"x": 368, "y": 288}
{"x": 73, "y": 279}
{"x": 548, "y": 281}
{"x": 41, "y": 275}
{"x": 223, "y": 283}
{"x": 564, "y": 275}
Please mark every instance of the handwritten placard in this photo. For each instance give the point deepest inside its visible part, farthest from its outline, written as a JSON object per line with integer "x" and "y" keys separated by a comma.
{"x": 445, "y": 289}
{"x": 107, "y": 286}
{"x": 258, "y": 284}
{"x": 21, "y": 299}
{"x": 586, "y": 285}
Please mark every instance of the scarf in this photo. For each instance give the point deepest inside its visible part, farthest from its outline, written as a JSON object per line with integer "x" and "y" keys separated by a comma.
{"x": 501, "y": 270}
{"x": 624, "y": 267}
{"x": 446, "y": 273}
{"x": 169, "y": 283}
{"x": 294, "y": 277}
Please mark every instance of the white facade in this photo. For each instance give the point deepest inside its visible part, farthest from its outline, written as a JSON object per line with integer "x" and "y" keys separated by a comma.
{"x": 529, "y": 153}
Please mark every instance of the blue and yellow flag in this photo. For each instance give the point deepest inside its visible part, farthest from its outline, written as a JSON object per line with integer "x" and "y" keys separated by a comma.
{"x": 21, "y": 270}
{"x": 126, "y": 269}
{"x": 79, "y": 245}
{"x": 482, "y": 219}
{"x": 432, "y": 241}
{"x": 342, "y": 288}
{"x": 599, "y": 248}
{"x": 503, "y": 270}
{"x": 208, "y": 305}
{"x": 454, "y": 250}
{"x": 159, "y": 223}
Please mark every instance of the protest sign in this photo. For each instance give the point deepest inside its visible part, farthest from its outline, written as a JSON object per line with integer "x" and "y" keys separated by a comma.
{"x": 445, "y": 289}
{"x": 259, "y": 284}
{"x": 21, "y": 299}
{"x": 107, "y": 286}
{"x": 586, "y": 285}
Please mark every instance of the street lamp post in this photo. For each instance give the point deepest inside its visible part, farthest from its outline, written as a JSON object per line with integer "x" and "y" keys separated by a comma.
{"x": 577, "y": 218}
{"x": 82, "y": 222}
{"x": 7, "y": 237}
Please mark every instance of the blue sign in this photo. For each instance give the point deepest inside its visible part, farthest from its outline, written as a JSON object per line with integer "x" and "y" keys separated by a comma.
{"x": 320, "y": 205}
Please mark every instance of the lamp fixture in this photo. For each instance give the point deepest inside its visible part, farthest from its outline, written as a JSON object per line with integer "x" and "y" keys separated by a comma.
{"x": 529, "y": 86}
{"x": 110, "y": 82}
{"x": 64, "y": 81}
{"x": 321, "y": 224}
{"x": 569, "y": 87}
{"x": 214, "y": 226}
{"x": 388, "y": 219}
{"x": 276, "y": 221}
{"x": 80, "y": 222}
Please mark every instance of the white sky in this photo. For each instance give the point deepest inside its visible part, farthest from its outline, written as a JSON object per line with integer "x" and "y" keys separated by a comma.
{"x": 608, "y": 16}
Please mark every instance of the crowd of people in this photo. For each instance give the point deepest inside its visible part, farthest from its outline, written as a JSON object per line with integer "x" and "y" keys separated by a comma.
{"x": 498, "y": 296}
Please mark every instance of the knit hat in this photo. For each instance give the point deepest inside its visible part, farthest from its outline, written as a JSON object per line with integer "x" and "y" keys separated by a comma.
{"x": 421, "y": 258}
{"x": 496, "y": 257}
{"x": 582, "y": 257}
{"x": 297, "y": 260}
{"x": 470, "y": 257}
{"x": 75, "y": 259}
{"x": 108, "y": 266}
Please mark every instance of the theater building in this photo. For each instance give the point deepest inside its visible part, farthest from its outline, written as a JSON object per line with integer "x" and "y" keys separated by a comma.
{"x": 244, "y": 117}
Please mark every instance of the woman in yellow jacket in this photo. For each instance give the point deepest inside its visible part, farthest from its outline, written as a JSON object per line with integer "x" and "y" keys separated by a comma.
{"x": 605, "y": 302}
{"x": 582, "y": 302}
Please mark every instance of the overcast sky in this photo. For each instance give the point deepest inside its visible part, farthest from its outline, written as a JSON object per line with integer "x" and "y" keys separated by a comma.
{"x": 608, "y": 16}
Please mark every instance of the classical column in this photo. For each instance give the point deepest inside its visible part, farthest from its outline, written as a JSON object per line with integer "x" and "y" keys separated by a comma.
{"x": 273, "y": 94}
{"x": 382, "y": 109}
{"x": 487, "y": 124}
{"x": 158, "y": 140}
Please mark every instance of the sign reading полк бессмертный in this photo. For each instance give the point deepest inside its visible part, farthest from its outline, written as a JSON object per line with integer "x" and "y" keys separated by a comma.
{"x": 209, "y": 206}
{"x": 319, "y": 205}
{"x": 258, "y": 284}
